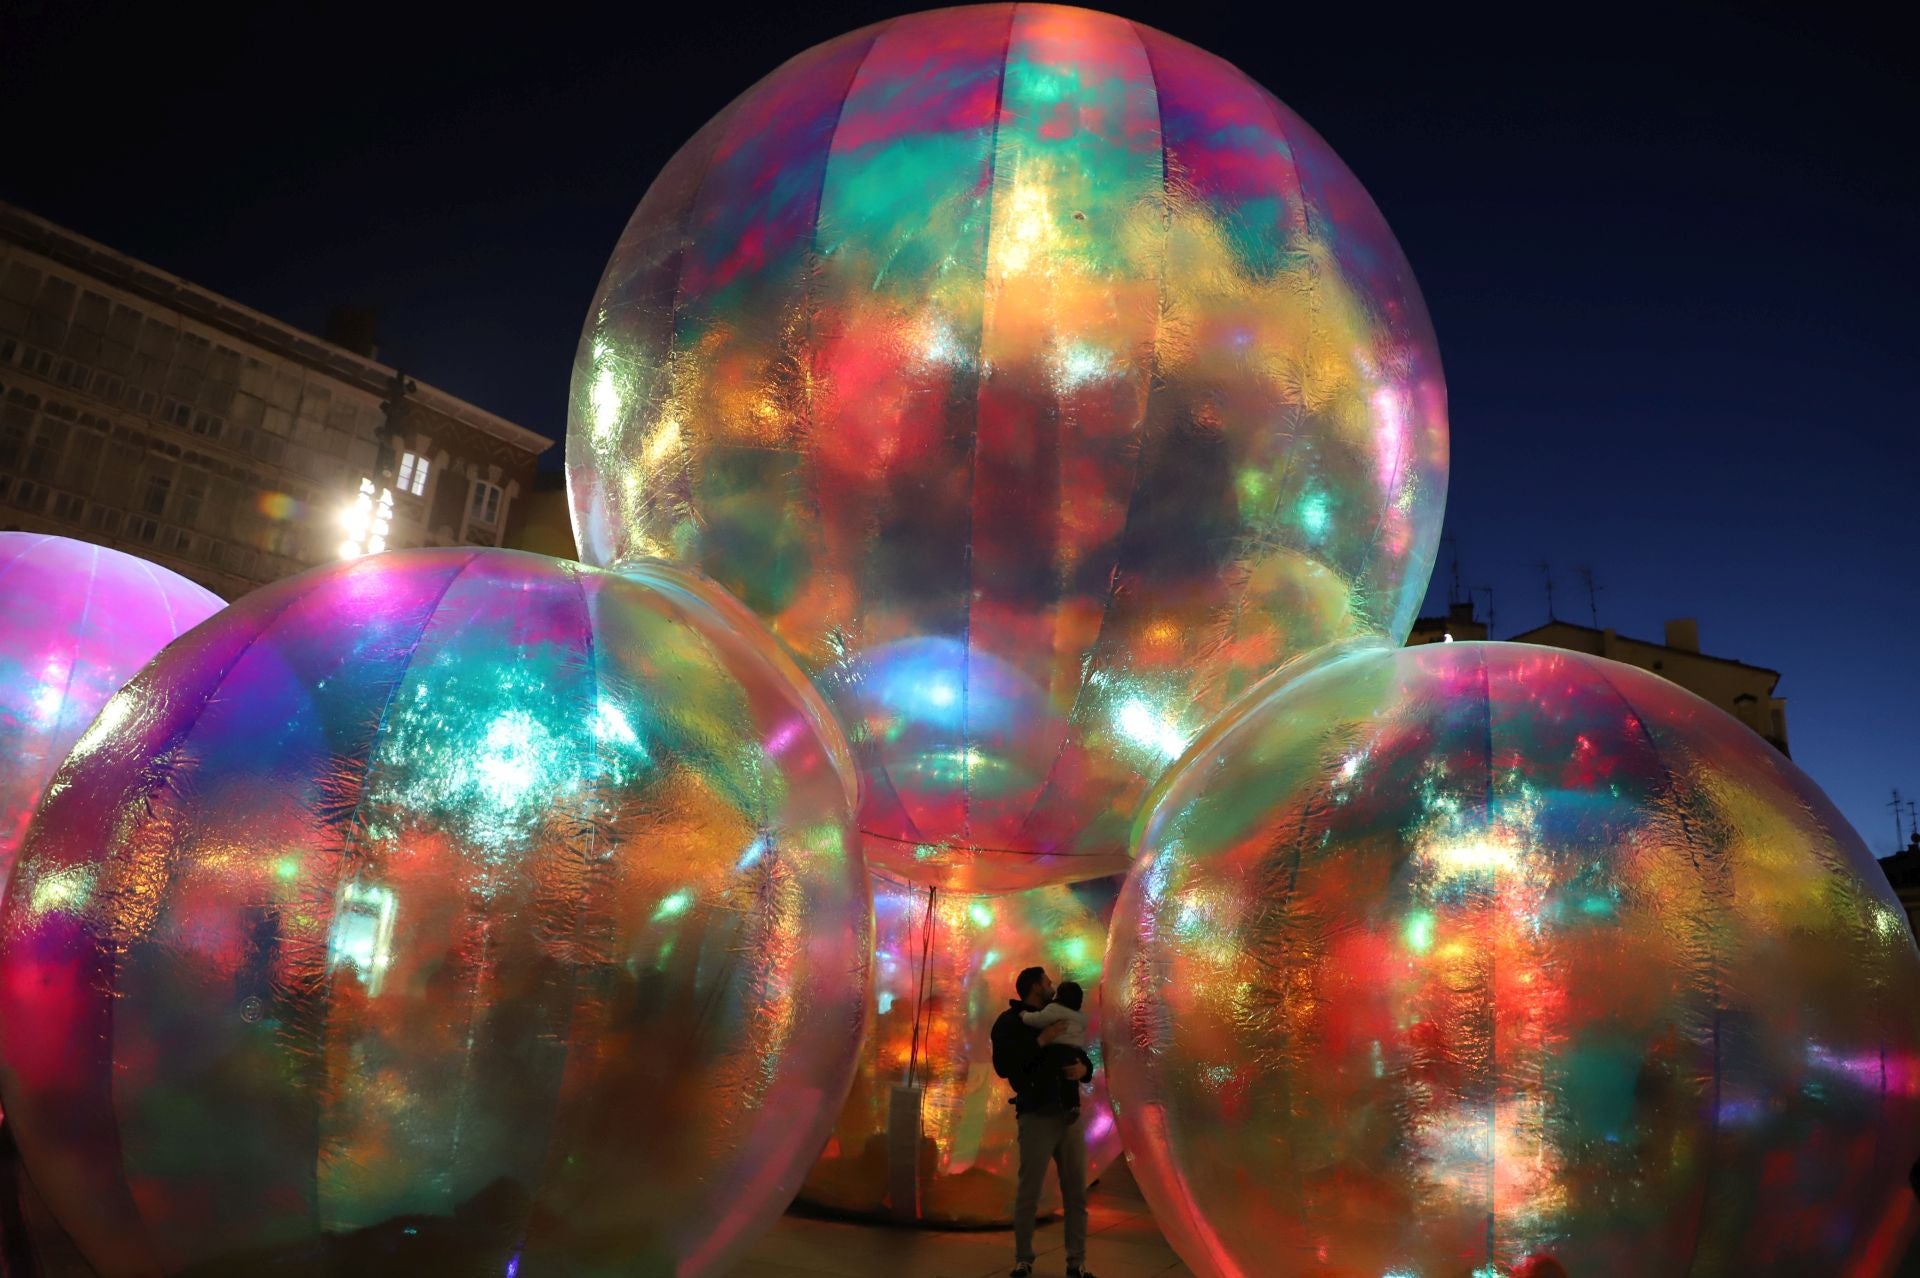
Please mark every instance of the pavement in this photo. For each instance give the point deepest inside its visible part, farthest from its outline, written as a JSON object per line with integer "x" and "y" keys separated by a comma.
{"x": 1122, "y": 1242}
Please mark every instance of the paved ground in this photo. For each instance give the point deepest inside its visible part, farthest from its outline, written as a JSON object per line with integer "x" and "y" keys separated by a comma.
{"x": 1122, "y": 1243}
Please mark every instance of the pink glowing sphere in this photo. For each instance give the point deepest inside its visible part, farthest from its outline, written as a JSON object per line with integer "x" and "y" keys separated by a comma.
{"x": 76, "y": 622}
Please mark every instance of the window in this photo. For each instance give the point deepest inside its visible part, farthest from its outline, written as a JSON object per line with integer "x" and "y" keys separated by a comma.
{"x": 155, "y": 499}
{"x": 192, "y": 492}
{"x": 413, "y": 474}
{"x": 43, "y": 453}
{"x": 484, "y": 506}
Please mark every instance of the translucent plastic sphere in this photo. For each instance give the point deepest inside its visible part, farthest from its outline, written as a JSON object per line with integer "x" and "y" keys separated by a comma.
{"x": 1468, "y": 958}
{"x": 76, "y": 622}
{"x": 1044, "y": 382}
{"x": 440, "y": 912}
{"x": 936, "y": 998}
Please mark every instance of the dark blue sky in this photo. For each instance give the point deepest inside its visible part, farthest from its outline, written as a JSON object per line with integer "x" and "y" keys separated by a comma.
{"x": 1670, "y": 252}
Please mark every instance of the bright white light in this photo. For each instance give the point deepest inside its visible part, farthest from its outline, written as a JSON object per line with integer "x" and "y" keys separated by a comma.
{"x": 940, "y": 694}
{"x": 609, "y": 724}
{"x": 938, "y": 345}
{"x": 604, "y": 401}
{"x": 111, "y": 716}
{"x": 1144, "y": 726}
{"x": 1473, "y": 856}
{"x": 508, "y": 765}
{"x": 1077, "y": 365}
{"x": 367, "y": 520}
{"x": 1445, "y": 637}
{"x": 361, "y": 938}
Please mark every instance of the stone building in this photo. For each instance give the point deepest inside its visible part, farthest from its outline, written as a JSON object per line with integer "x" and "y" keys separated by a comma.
{"x": 143, "y": 412}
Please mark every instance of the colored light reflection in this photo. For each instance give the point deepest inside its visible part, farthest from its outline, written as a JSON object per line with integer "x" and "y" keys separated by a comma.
{"x": 79, "y": 621}
{"x": 1574, "y": 970}
{"x": 446, "y": 901}
{"x": 1044, "y": 382}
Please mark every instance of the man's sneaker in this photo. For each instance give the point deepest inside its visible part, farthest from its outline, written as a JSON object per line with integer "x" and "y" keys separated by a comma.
{"x": 1021, "y": 1269}
{"x": 1075, "y": 1271}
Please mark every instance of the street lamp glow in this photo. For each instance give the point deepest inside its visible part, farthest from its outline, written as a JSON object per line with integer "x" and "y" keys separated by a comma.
{"x": 367, "y": 520}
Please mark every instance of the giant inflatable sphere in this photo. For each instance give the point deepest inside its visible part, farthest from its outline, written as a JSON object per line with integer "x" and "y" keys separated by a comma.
{"x": 445, "y": 911}
{"x": 1044, "y": 382}
{"x": 1471, "y": 957}
{"x": 944, "y": 970}
{"x": 76, "y": 622}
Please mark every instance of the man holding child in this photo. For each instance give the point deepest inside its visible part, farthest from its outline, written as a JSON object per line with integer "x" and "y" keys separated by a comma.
{"x": 1039, "y": 1045}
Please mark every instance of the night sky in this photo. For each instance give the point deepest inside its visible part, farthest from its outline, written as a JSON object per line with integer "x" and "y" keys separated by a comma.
{"x": 1670, "y": 252}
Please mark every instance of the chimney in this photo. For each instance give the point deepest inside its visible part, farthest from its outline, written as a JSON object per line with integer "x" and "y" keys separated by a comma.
{"x": 1683, "y": 633}
{"x": 354, "y": 327}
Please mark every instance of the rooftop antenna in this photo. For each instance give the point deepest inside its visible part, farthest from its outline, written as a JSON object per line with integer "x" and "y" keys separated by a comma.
{"x": 1488, "y": 592}
{"x": 1455, "y": 595}
{"x": 1593, "y": 594}
{"x": 1546, "y": 571}
{"x": 1899, "y": 820}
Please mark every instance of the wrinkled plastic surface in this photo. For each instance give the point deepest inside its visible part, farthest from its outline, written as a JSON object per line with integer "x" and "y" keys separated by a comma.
{"x": 444, "y": 911}
{"x": 76, "y": 622}
{"x": 1044, "y": 382}
{"x": 1451, "y": 958}
{"x": 936, "y": 999}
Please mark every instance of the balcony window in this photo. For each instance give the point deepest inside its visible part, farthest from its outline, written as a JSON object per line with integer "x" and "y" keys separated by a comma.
{"x": 483, "y": 507}
{"x": 413, "y": 474}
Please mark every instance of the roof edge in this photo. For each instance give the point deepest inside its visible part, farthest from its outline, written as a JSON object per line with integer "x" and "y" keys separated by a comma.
{"x": 70, "y": 248}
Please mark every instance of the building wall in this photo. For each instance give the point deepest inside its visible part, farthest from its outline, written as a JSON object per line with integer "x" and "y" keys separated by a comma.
{"x": 141, "y": 412}
{"x": 547, "y": 527}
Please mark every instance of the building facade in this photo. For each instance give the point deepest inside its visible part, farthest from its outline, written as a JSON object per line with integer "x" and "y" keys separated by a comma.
{"x": 143, "y": 412}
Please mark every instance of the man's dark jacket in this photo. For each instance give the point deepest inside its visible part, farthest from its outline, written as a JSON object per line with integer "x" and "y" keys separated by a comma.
{"x": 1018, "y": 1058}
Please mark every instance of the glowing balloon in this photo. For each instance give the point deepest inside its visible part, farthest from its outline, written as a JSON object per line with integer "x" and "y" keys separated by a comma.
{"x": 446, "y": 911}
{"x": 936, "y": 998}
{"x": 76, "y": 622}
{"x": 1473, "y": 957}
{"x": 1044, "y": 382}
